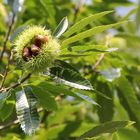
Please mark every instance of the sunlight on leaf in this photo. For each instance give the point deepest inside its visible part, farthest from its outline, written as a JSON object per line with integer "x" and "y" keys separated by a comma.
{"x": 89, "y": 33}
{"x": 61, "y": 28}
{"x": 82, "y": 23}
{"x": 70, "y": 78}
{"x": 86, "y": 98}
{"x": 108, "y": 127}
{"x": 111, "y": 73}
{"x": 26, "y": 111}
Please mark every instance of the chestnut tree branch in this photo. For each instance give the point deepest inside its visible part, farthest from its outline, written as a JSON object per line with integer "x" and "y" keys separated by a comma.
{"x": 16, "y": 84}
{"x": 9, "y": 124}
{"x": 4, "y": 49}
{"x": 77, "y": 9}
{"x": 101, "y": 57}
{"x": 14, "y": 122}
{"x": 7, "y": 37}
{"x": 6, "y": 70}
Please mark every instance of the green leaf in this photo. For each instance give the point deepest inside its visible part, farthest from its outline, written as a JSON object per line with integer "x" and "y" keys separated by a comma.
{"x": 87, "y": 49}
{"x": 108, "y": 127}
{"x": 17, "y": 32}
{"x": 128, "y": 134}
{"x": 3, "y": 97}
{"x": 70, "y": 78}
{"x": 129, "y": 99}
{"x": 46, "y": 99}
{"x": 61, "y": 28}
{"x": 138, "y": 17}
{"x": 49, "y": 8}
{"x": 63, "y": 114}
{"x": 115, "y": 136}
{"x": 64, "y": 64}
{"x": 106, "y": 111}
{"x": 53, "y": 132}
{"x": 7, "y": 108}
{"x": 130, "y": 37}
{"x": 81, "y": 129}
{"x": 89, "y": 33}
{"x": 101, "y": 94}
{"x": 86, "y": 98}
{"x": 26, "y": 111}
{"x": 73, "y": 54}
{"x": 82, "y": 23}
{"x": 56, "y": 90}
{"x": 92, "y": 48}
{"x": 53, "y": 89}
{"x": 73, "y": 79}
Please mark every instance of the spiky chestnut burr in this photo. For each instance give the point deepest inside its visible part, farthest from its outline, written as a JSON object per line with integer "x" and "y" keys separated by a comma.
{"x": 43, "y": 57}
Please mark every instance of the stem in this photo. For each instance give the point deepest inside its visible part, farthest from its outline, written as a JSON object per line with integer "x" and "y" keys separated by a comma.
{"x": 101, "y": 57}
{"x": 77, "y": 9}
{"x": 14, "y": 122}
{"x": 17, "y": 84}
{"x": 8, "y": 124}
{"x": 6, "y": 70}
{"x": 7, "y": 37}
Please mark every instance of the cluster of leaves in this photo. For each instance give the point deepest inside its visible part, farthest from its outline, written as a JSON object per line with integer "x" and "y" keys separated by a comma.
{"x": 89, "y": 88}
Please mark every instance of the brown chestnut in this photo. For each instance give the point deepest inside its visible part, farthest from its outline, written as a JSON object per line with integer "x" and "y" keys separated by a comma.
{"x": 40, "y": 39}
{"x": 35, "y": 50}
{"x": 26, "y": 55}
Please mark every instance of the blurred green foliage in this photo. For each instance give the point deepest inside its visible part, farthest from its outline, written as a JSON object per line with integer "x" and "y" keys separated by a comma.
{"x": 66, "y": 116}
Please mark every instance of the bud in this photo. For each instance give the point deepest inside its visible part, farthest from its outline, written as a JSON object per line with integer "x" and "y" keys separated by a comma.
{"x": 40, "y": 39}
{"x": 35, "y": 50}
{"x": 26, "y": 54}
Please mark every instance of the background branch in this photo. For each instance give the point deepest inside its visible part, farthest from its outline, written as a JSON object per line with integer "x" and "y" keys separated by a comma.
{"x": 101, "y": 57}
{"x": 77, "y": 9}
{"x": 14, "y": 122}
{"x": 7, "y": 37}
{"x": 17, "y": 84}
{"x": 6, "y": 70}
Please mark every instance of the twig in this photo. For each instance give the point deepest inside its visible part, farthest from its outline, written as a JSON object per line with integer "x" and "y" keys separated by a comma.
{"x": 76, "y": 10}
{"x": 17, "y": 84}
{"x": 6, "y": 37}
{"x": 8, "y": 124}
{"x": 1, "y": 75}
{"x": 101, "y": 57}
{"x": 6, "y": 70}
{"x": 15, "y": 121}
